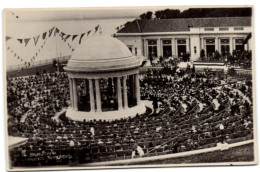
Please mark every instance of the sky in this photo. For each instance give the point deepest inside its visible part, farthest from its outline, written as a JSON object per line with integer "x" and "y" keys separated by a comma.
{"x": 28, "y": 23}
{"x": 58, "y": 14}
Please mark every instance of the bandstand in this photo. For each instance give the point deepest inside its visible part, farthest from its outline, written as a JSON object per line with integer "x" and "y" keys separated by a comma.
{"x": 104, "y": 80}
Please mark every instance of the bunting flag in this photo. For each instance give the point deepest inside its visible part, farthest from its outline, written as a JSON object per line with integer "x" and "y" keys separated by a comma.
{"x": 89, "y": 32}
{"x": 7, "y": 38}
{"x": 53, "y": 31}
{"x": 44, "y": 35}
{"x": 74, "y": 36}
{"x": 56, "y": 31}
{"x": 50, "y": 31}
{"x": 81, "y": 36}
{"x": 62, "y": 35}
{"x": 36, "y": 38}
{"x": 26, "y": 41}
{"x": 96, "y": 28}
{"x": 20, "y": 40}
{"x": 65, "y": 39}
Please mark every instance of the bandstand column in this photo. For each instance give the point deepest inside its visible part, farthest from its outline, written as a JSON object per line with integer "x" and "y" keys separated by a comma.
{"x": 75, "y": 95}
{"x": 119, "y": 94}
{"x": 98, "y": 98}
{"x": 217, "y": 44}
{"x": 137, "y": 88}
{"x": 71, "y": 93}
{"x": 125, "y": 93}
{"x": 91, "y": 95}
{"x": 231, "y": 45}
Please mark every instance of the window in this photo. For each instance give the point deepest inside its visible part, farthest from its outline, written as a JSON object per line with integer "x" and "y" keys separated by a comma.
{"x": 223, "y": 29}
{"x": 152, "y": 48}
{"x": 181, "y": 47}
{"x": 135, "y": 51}
{"x": 224, "y": 41}
{"x": 239, "y": 44}
{"x": 167, "y": 48}
{"x": 209, "y": 29}
{"x": 167, "y": 42}
{"x": 225, "y": 47}
{"x": 181, "y": 41}
{"x": 210, "y": 47}
{"x": 210, "y": 41}
{"x": 238, "y": 28}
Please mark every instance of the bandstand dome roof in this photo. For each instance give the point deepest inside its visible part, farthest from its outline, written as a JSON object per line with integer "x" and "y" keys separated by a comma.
{"x": 102, "y": 53}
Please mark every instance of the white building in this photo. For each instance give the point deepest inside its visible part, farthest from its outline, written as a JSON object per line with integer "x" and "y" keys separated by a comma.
{"x": 174, "y": 37}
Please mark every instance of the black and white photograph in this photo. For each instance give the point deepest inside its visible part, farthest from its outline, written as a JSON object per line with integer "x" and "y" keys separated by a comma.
{"x": 129, "y": 87}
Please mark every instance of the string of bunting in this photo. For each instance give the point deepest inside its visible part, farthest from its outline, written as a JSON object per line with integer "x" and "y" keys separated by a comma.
{"x": 54, "y": 31}
{"x": 26, "y": 63}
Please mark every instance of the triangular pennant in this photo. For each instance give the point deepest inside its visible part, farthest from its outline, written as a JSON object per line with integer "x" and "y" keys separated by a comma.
{"x": 36, "y": 54}
{"x": 26, "y": 41}
{"x": 8, "y": 48}
{"x": 20, "y": 40}
{"x": 14, "y": 54}
{"x": 62, "y": 35}
{"x": 42, "y": 46}
{"x": 81, "y": 36}
{"x": 56, "y": 31}
{"x": 74, "y": 36}
{"x": 7, "y": 38}
{"x": 44, "y": 35}
{"x": 72, "y": 50}
{"x": 50, "y": 31}
{"x": 36, "y": 38}
{"x": 66, "y": 37}
{"x": 89, "y": 32}
{"x": 96, "y": 28}
{"x": 18, "y": 57}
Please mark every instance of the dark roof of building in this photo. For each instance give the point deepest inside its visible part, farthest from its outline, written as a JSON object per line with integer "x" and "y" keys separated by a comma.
{"x": 180, "y": 25}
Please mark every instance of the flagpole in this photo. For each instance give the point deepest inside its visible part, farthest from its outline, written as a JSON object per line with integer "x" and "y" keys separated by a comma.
{"x": 57, "y": 56}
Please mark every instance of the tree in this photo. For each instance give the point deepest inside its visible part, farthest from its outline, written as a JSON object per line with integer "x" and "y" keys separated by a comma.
{"x": 167, "y": 14}
{"x": 203, "y": 13}
{"x": 146, "y": 16}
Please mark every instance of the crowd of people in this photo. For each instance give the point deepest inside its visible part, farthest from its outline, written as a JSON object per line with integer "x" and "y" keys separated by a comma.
{"x": 35, "y": 97}
{"x": 236, "y": 58}
{"x": 193, "y": 107}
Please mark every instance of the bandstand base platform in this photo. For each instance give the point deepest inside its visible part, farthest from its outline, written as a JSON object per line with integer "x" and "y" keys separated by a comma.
{"x": 108, "y": 115}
